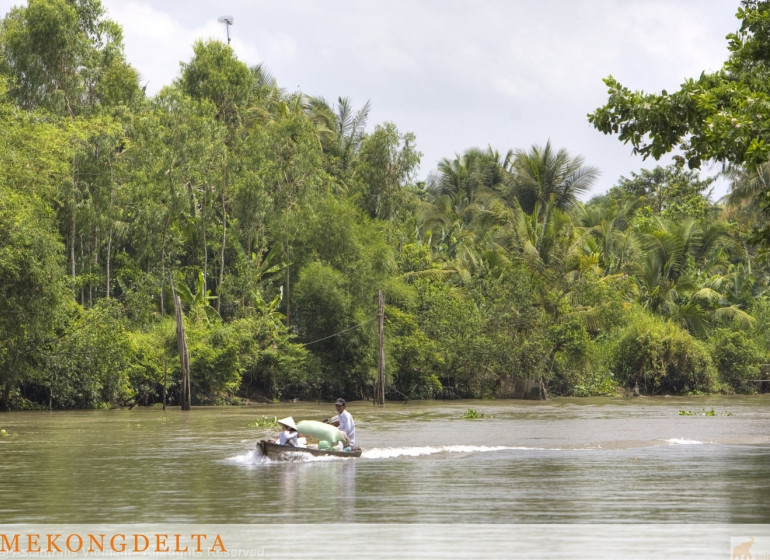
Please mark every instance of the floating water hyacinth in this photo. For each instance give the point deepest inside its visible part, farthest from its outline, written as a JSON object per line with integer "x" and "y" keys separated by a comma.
{"x": 471, "y": 414}
{"x": 265, "y": 421}
{"x": 704, "y": 412}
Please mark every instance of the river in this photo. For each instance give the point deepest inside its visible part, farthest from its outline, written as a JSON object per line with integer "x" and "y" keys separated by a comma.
{"x": 558, "y": 478}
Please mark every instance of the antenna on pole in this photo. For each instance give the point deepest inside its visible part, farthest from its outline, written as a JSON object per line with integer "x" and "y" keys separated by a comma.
{"x": 228, "y": 21}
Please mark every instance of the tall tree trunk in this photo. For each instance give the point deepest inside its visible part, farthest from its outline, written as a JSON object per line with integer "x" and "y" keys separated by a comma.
{"x": 163, "y": 264}
{"x": 205, "y": 241}
{"x": 287, "y": 290}
{"x": 379, "y": 397}
{"x": 82, "y": 262}
{"x": 112, "y": 228}
{"x": 222, "y": 254}
{"x": 73, "y": 225}
{"x": 107, "y": 263}
{"x": 94, "y": 263}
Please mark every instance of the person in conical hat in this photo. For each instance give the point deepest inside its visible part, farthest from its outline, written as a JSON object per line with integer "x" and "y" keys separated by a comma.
{"x": 288, "y": 422}
{"x": 289, "y": 434}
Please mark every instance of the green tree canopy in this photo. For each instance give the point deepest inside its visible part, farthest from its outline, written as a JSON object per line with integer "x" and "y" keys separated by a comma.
{"x": 720, "y": 116}
{"x": 64, "y": 56}
{"x": 217, "y": 75}
{"x": 33, "y": 288}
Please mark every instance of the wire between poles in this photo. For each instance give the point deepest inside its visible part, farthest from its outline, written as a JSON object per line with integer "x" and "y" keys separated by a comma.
{"x": 342, "y": 332}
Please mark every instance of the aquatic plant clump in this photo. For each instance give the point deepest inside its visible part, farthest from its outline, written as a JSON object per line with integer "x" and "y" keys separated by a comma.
{"x": 264, "y": 422}
{"x": 704, "y": 412}
{"x": 472, "y": 414}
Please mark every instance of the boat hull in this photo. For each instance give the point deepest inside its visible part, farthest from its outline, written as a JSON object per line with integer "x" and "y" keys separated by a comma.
{"x": 289, "y": 453}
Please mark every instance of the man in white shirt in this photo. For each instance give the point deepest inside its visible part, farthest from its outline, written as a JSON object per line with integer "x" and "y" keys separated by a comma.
{"x": 345, "y": 423}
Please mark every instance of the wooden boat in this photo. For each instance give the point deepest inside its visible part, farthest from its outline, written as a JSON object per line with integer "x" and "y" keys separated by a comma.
{"x": 288, "y": 452}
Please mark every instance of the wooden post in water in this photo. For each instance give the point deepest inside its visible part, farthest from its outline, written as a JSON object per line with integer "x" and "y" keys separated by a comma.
{"x": 379, "y": 397}
{"x": 184, "y": 354}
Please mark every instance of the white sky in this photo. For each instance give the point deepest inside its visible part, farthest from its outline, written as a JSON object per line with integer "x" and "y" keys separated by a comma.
{"x": 502, "y": 73}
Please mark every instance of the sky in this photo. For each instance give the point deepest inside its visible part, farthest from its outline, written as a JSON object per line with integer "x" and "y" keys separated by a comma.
{"x": 505, "y": 74}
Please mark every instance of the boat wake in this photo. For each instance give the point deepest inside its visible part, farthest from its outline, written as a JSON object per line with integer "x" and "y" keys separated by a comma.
{"x": 684, "y": 441}
{"x": 255, "y": 457}
{"x": 247, "y": 458}
{"x": 392, "y": 452}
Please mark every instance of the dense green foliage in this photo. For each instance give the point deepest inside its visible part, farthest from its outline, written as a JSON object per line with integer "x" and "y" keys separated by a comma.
{"x": 720, "y": 116}
{"x": 277, "y": 217}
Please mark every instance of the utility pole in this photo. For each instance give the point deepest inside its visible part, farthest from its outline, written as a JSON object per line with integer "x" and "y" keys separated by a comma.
{"x": 184, "y": 353}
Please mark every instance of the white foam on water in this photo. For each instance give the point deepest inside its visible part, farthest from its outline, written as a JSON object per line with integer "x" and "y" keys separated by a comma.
{"x": 246, "y": 458}
{"x": 255, "y": 457}
{"x": 684, "y": 441}
{"x": 392, "y": 452}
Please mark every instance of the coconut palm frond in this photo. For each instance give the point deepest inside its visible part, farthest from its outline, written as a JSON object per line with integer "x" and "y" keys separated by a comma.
{"x": 736, "y": 315}
{"x": 706, "y": 296}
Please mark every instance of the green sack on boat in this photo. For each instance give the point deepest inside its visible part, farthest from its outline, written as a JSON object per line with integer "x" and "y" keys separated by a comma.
{"x": 321, "y": 431}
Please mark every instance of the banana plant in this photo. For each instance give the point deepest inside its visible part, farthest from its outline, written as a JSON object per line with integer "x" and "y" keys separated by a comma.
{"x": 198, "y": 302}
{"x": 273, "y": 320}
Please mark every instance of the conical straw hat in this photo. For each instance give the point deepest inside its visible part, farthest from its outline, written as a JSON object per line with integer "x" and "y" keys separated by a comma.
{"x": 288, "y": 421}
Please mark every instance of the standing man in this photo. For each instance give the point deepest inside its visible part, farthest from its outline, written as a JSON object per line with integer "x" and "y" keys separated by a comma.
{"x": 345, "y": 423}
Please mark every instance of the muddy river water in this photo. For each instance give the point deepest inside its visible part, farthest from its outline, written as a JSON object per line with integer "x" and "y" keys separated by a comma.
{"x": 576, "y": 478}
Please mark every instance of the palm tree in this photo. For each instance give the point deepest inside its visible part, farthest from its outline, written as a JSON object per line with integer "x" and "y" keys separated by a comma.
{"x": 677, "y": 277}
{"x": 610, "y": 237}
{"x": 465, "y": 209}
{"x": 748, "y": 184}
{"x": 474, "y": 174}
{"x": 266, "y": 97}
{"x": 543, "y": 182}
{"x": 555, "y": 255}
{"x": 443, "y": 224}
{"x": 552, "y": 179}
{"x": 350, "y": 128}
{"x": 342, "y": 128}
